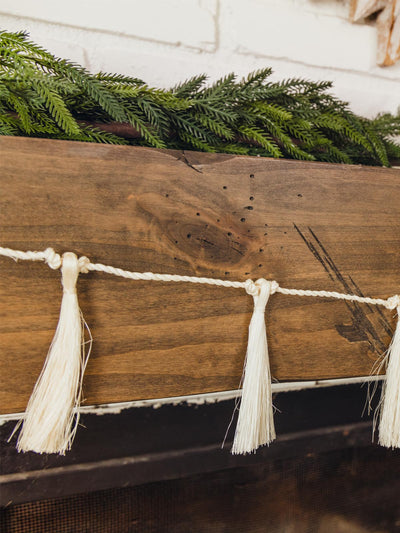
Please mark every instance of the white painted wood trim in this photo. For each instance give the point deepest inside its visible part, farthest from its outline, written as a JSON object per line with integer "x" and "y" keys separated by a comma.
{"x": 209, "y": 397}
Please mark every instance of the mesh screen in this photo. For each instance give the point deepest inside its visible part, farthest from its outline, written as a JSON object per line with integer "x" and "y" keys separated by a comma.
{"x": 348, "y": 491}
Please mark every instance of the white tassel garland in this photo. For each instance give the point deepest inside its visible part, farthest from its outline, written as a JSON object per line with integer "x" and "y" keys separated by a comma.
{"x": 389, "y": 423}
{"x": 255, "y": 426}
{"x": 52, "y": 414}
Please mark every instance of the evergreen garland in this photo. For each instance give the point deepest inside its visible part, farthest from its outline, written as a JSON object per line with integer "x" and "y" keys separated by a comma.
{"x": 43, "y": 96}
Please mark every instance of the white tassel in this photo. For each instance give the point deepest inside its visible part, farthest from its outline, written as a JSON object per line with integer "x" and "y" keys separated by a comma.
{"x": 389, "y": 423}
{"x": 255, "y": 426}
{"x": 52, "y": 414}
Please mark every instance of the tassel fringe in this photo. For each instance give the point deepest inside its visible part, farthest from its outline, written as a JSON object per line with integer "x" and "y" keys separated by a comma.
{"x": 255, "y": 426}
{"x": 52, "y": 414}
{"x": 389, "y": 423}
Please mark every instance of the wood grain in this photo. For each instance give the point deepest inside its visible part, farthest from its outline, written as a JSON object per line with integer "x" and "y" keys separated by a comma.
{"x": 307, "y": 225}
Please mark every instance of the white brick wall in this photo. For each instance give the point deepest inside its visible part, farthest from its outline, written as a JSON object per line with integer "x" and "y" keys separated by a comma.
{"x": 166, "y": 41}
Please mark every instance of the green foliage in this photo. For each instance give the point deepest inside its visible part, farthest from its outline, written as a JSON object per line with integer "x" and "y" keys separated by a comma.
{"x": 43, "y": 96}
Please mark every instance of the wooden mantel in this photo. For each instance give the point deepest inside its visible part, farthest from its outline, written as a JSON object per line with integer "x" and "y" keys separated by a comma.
{"x": 306, "y": 225}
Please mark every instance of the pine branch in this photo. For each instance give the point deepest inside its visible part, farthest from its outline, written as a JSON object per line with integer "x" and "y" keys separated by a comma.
{"x": 190, "y": 87}
{"x": 44, "y": 96}
{"x": 259, "y": 137}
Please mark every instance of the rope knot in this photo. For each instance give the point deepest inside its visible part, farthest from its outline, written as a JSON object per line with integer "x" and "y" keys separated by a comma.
{"x": 393, "y": 302}
{"x": 83, "y": 264}
{"x": 260, "y": 290}
{"x": 254, "y": 287}
{"x": 274, "y": 286}
{"x": 52, "y": 258}
{"x": 251, "y": 288}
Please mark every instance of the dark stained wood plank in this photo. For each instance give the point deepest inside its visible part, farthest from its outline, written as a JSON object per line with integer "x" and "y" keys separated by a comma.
{"x": 308, "y": 487}
{"x": 307, "y": 225}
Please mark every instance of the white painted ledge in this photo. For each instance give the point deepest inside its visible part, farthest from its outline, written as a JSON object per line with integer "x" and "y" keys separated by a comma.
{"x": 207, "y": 398}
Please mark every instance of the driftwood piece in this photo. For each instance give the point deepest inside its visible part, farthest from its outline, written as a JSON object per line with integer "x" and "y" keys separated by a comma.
{"x": 361, "y": 9}
{"x": 388, "y": 26}
{"x": 307, "y": 225}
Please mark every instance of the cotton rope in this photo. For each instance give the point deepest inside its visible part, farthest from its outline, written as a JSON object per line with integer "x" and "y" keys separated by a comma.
{"x": 54, "y": 261}
{"x": 255, "y": 424}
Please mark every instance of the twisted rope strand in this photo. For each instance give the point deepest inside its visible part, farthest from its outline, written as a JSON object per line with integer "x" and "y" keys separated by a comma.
{"x": 389, "y": 303}
{"x": 49, "y": 256}
{"x": 54, "y": 261}
{"x": 150, "y": 276}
